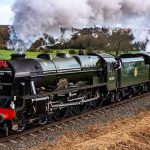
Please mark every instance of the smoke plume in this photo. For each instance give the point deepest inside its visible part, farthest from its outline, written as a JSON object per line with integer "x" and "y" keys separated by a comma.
{"x": 35, "y": 17}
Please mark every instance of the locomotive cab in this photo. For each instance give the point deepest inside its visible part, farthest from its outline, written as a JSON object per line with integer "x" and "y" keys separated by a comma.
{"x": 109, "y": 66}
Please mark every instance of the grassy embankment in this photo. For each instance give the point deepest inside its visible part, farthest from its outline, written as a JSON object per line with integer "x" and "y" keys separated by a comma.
{"x": 5, "y": 54}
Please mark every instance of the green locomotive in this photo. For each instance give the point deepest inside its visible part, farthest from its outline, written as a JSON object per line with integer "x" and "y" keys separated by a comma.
{"x": 38, "y": 90}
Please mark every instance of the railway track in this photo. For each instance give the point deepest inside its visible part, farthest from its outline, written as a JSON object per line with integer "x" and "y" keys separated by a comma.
{"x": 60, "y": 124}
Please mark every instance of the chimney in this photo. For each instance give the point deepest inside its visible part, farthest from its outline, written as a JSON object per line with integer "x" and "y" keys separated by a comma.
{"x": 18, "y": 56}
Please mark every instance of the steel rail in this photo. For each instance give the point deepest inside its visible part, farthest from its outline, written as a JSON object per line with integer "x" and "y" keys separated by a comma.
{"x": 70, "y": 119}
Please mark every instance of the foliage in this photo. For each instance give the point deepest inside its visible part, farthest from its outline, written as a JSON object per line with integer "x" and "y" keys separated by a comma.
{"x": 88, "y": 38}
{"x": 4, "y": 36}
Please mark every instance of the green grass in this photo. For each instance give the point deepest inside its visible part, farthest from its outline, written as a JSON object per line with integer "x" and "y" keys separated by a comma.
{"x": 6, "y": 54}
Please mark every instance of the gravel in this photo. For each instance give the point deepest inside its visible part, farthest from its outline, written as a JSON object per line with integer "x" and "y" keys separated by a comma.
{"x": 104, "y": 116}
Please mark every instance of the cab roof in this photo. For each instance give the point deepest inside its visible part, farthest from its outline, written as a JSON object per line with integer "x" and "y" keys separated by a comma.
{"x": 105, "y": 56}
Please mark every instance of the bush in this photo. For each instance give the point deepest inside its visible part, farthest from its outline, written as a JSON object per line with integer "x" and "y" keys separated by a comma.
{"x": 72, "y": 51}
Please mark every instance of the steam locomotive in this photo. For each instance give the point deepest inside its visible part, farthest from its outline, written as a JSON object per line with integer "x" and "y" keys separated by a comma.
{"x": 35, "y": 91}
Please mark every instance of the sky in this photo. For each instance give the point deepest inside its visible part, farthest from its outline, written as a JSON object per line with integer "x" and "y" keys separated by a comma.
{"x": 6, "y": 14}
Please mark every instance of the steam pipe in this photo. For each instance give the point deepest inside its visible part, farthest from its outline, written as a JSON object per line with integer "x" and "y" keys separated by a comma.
{"x": 33, "y": 87}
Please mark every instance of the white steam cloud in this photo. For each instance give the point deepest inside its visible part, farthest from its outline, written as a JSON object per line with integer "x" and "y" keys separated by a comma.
{"x": 35, "y": 17}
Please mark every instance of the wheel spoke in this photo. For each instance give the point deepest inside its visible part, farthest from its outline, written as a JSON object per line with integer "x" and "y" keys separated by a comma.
{"x": 60, "y": 114}
{"x": 75, "y": 110}
{"x": 42, "y": 119}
